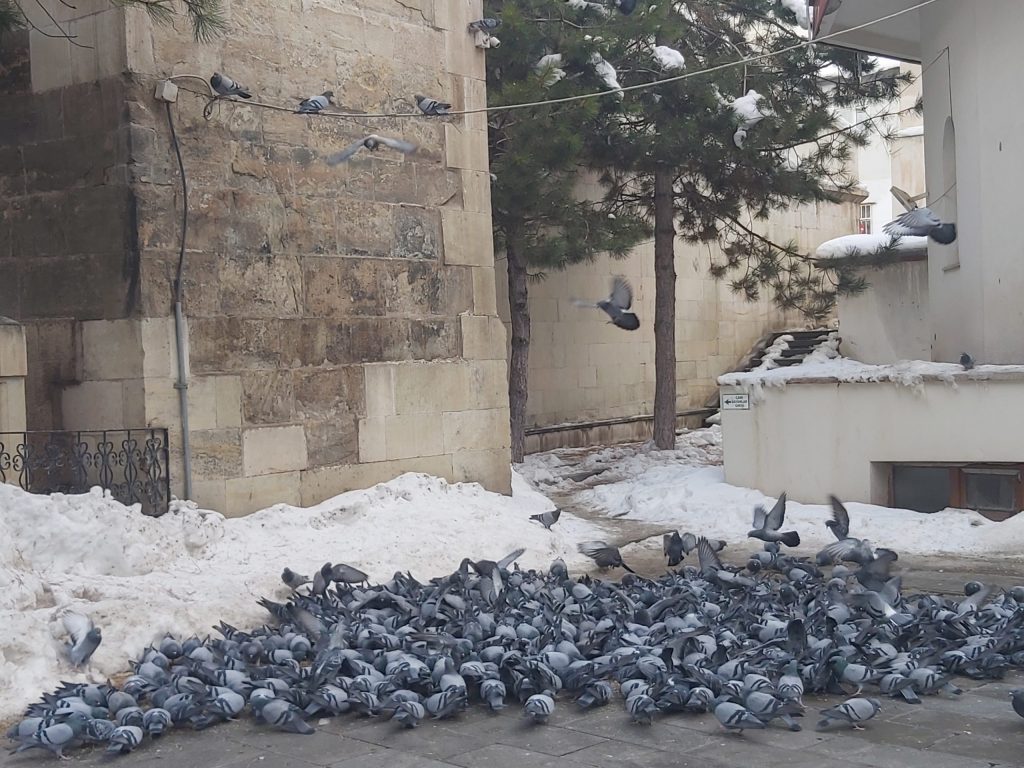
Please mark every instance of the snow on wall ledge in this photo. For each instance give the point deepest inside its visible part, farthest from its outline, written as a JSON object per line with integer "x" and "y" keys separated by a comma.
{"x": 850, "y": 246}
{"x": 140, "y": 577}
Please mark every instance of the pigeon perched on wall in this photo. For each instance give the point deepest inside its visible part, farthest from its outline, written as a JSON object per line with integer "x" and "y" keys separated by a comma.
{"x": 225, "y": 86}
{"x": 429, "y": 106}
{"x": 85, "y": 637}
{"x": 966, "y": 361}
{"x": 315, "y": 104}
{"x": 373, "y": 142}
{"x": 605, "y": 555}
{"x": 767, "y": 524}
{"x": 620, "y": 300}
{"x": 547, "y": 519}
{"x": 484, "y": 25}
{"x": 922, "y": 222}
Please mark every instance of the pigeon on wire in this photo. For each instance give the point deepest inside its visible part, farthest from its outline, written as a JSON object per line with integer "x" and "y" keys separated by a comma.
{"x": 966, "y": 361}
{"x": 767, "y": 524}
{"x": 922, "y": 222}
{"x": 605, "y": 555}
{"x": 429, "y": 106}
{"x": 315, "y": 104}
{"x": 225, "y": 86}
{"x": 85, "y": 638}
{"x": 616, "y": 305}
{"x": 373, "y": 142}
{"x": 547, "y": 519}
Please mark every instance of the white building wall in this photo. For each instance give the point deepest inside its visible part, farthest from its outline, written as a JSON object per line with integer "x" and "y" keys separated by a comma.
{"x": 813, "y": 439}
{"x": 889, "y": 321}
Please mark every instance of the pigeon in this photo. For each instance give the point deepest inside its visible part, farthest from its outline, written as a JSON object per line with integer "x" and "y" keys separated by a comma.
{"x": 123, "y": 740}
{"x": 840, "y": 522}
{"x": 156, "y": 722}
{"x": 429, "y": 106}
{"x": 225, "y": 86}
{"x": 493, "y": 693}
{"x": 539, "y": 708}
{"x": 1017, "y": 700}
{"x": 85, "y": 638}
{"x": 373, "y": 142}
{"x": 767, "y": 524}
{"x": 281, "y": 714}
{"x": 346, "y": 574}
{"x": 604, "y": 555}
{"x": 409, "y": 713}
{"x": 672, "y": 548}
{"x": 734, "y": 717}
{"x": 620, "y": 300}
{"x": 547, "y": 519}
{"x": 292, "y": 579}
{"x": 851, "y": 712}
{"x": 625, "y": 7}
{"x": 641, "y": 708}
{"x": 922, "y": 222}
{"x": 966, "y": 361}
{"x": 739, "y": 136}
{"x": 315, "y": 104}
{"x": 483, "y": 25}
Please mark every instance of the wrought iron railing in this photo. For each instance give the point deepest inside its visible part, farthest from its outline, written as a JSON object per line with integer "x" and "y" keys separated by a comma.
{"x": 130, "y": 463}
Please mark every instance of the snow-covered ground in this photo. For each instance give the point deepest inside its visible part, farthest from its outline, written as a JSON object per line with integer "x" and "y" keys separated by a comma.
{"x": 686, "y": 489}
{"x": 139, "y": 577}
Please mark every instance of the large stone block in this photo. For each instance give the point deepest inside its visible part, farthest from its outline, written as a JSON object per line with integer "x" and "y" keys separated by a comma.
{"x": 342, "y": 287}
{"x": 435, "y": 339}
{"x": 332, "y": 441}
{"x": 413, "y": 435}
{"x": 159, "y": 347}
{"x": 491, "y": 468}
{"x": 417, "y": 233}
{"x": 467, "y": 238}
{"x": 379, "y": 388}
{"x": 210, "y": 494}
{"x": 372, "y": 440}
{"x": 428, "y": 387}
{"x": 261, "y": 285}
{"x": 267, "y": 397}
{"x": 13, "y": 353}
{"x": 484, "y": 291}
{"x": 244, "y": 495}
{"x": 93, "y": 405}
{"x": 476, "y": 430}
{"x": 324, "y": 482}
{"x": 412, "y": 288}
{"x": 488, "y": 384}
{"x": 267, "y": 450}
{"x": 322, "y": 394}
{"x": 216, "y": 454}
{"x": 13, "y": 412}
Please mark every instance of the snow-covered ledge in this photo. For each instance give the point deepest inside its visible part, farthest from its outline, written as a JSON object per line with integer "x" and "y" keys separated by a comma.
{"x": 834, "y": 426}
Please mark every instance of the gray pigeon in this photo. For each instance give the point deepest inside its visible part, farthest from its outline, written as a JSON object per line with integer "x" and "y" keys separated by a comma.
{"x": 55, "y": 738}
{"x": 922, "y": 222}
{"x": 850, "y": 712}
{"x": 281, "y": 714}
{"x": 672, "y": 548}
{"x": 1017, "y": 700}
{"x": 493, "y": 692}
{"x": 315, "y": 104}
{"x": 547, "y": 519}
{"x": 156, "y": 721}
{"x": 225, "y": 86}
{"x": 603, "y": 554}
{"x": 620, "y": 300}
{"x": 733, "y": 717}
{"x": 409, "y": 713}
{"x": 85, "y": 637}
{"x": 484, "y": 25}
{"x": 767, "y": 524}
{"x": 292, "y": 579}
{"x": 123, "y": 740}
{"x": 373, "y": 142}
{"x": 641, "y": 708}
{"x": 539, "y": 708}
{"x": 429, "y": 106}
{"x": 966, "y": 361}
{"x": 346, "y": 574}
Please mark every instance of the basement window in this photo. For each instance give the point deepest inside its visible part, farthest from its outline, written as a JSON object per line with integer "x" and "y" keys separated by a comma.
{"x": 920, "y": 488}
{"x": 991, "y": 490}
{"x": 994, "y": 490}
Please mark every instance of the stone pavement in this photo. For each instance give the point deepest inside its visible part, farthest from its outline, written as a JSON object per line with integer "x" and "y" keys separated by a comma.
{"x": 976, "y": 730}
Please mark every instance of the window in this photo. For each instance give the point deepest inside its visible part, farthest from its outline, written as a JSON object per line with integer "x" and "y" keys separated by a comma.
{"x": 994, "y": 490}
{"x": 864, "y": 222}
{"x": 921, "y": 488}
{"x": 991, "y": 490}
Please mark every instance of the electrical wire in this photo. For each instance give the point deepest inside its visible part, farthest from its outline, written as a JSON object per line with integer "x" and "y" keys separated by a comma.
{"x": 579, "y": 97}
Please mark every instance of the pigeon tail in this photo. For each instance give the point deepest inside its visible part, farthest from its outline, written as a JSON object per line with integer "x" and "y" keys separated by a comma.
{"x": 791, "y": 539}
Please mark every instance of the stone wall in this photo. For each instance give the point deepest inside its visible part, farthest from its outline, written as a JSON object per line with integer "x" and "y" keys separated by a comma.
{"x": 342, "y": 325}
{"x": 583, "y": 369}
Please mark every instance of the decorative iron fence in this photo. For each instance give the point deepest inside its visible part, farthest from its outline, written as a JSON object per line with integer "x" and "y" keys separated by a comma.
{"x": 130, "y": 463}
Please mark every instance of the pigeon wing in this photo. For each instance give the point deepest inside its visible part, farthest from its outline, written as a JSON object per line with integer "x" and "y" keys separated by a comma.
{"x": 340, "y": 157}
{"x": 760, "y": 515}
{"x": 77, "y": 625}
{"x": 622, "y": 293}
{"x": 591, "y": 548}
{"x": 919, "y": 221}
{"x": 777, "y": 516}
{"x": 510, "y": 558}
{"x": 709, "y": 560}
{"x": 404, "y": 147}
{"x": 841, "y": 518}
{"x": 665, "y": 541}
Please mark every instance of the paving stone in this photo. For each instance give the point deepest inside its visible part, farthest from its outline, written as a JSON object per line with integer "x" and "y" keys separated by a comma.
{"x": 970, "y": 704}
{"x": 320, "y": 748}
{"x": 615, "y": 754}
{"x": 861, "y": 752}
{"x": 742, "y": 750}
{"x": 267, "y": 759}
{"x": 503, "y": 756}
{"x": 612, "y": 722}
{"x": 429, "y": 739}
{"x": 893, "y": 732}
{"x": 387, "y": 758}
{"x": 969, "y": 723}
{"x": 981, "y": 750}
{"x": 549, "y": 739}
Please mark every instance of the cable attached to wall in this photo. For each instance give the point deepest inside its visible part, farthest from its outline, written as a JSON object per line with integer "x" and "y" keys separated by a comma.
{"x": 179, "y": 318}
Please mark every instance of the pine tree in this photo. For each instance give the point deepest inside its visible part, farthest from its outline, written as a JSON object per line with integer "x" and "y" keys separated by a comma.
{"x": 704, "y": 167}
{"x": 204, "y": 16}
{"x": 540, "y": 220}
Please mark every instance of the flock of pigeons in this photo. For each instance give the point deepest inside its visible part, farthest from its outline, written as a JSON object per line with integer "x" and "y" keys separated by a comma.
{"x": 743, "y": 644}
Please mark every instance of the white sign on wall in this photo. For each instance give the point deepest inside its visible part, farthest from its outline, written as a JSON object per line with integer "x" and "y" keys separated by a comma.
{"x": 735, "y": 402}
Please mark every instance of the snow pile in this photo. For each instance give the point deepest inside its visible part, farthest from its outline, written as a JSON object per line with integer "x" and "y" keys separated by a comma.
{"x": 550, "y": 66}
{"x": 825, "y": 363}
{"x": 850, "y": 246}
{"x": 668, "y": 58}
{"x": 139, "y": 577}
{"x": 798, "y": 7}
{"x": 583, "y": 5}
{"x": 774, "y": 352}
{"x": 691, "y": 497}
{"x": 747, "y": 109}
{"x": 606, "y": 72}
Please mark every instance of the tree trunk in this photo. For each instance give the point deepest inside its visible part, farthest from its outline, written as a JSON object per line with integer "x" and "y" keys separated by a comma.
{"x": 664, "y": 312}
{"x": 518, "y": 368}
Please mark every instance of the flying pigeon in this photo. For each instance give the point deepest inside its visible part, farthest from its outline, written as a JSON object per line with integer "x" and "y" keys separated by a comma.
{"x": 922, "y": 222}
{"x": 225, "y": 86}
{"x": 429, "y": 106}
{"x": 767, "y": 524}
{"x": 851, "y": 712}
{"x": 315, "y": 104}
{"x": 620, "y": 300}
{"x": 547, "y": 519}
{"x": 604, "y": 555}
{"x": 672, "y": 548}
{"x": 373, "y": 143}
{"x": 483, "y": 25}
{"x": 85, "y": 637}
{"x": 966, "y": 361}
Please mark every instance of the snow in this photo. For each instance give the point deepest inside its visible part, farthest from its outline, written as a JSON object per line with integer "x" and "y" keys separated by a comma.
{"x": 668, "y": 58}
{"x": 906, "y": 133}
{"x": 690, "y": 494}
{"x": 799, "y": 7}
{"x": 582, "y": 5}
{"x": 773, "y": 352}
{"x": 747, "y": 109}
{"x": 139, "y": 577}
{"x": 552, "y": 65}
{"x": 865, "y": 245}
{"x": 825, "y": 363}
{"x": 606, "y": 72}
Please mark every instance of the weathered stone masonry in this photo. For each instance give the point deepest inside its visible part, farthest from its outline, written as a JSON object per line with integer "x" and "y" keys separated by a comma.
{"x": 342, "y": 322}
